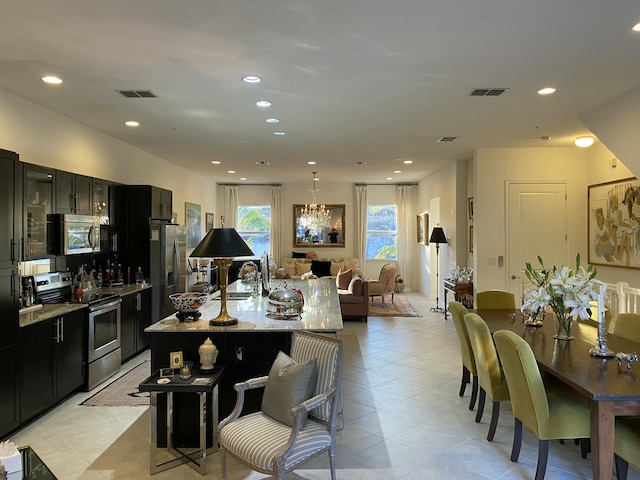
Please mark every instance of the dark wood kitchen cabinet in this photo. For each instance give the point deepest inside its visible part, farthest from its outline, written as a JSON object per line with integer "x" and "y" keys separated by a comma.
{"x": 135, "y": 317}
{"x": 53, "y": 362}
{"x": 37, "y": 204}
{"x": 101, "y": 197}
{"x": 74, "y": 193}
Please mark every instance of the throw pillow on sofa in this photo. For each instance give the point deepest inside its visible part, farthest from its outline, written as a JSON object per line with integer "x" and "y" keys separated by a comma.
{"x": 336, "y": 267}
{"x": 343, "y": 279}
{"x": 321, "y": 268}
{"x": 302, "y": 268}
{"x": 290, "y": 269}
{"x": 298, "y": 255}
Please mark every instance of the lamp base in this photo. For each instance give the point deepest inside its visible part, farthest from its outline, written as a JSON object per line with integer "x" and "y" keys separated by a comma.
{"x": 223, "y": 320}
{"x": 602, "y": 351}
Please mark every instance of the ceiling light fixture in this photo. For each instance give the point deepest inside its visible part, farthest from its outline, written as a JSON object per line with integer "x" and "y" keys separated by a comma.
{"x": 132, "y": 123}
{"x": 636, "y": 27}
{"x": 315, "y": 217}
{"x": 311, "y": 162}
{"x": 546, "y": 91}
{"x": 251, "y": 79}
{"x": 397, "y": 171}
{"x": 584, "y": 142}
{"x": 215, "y": 162}
{"x": 52, "y": 80}
{"x": 408, "y": 162}
{"x": 273, "y": 120}
{"x": 279, "y": 133}
{"x": 263, "y": 103}
{"x": 389, "y": 178}
{"x": 231, "y": 171}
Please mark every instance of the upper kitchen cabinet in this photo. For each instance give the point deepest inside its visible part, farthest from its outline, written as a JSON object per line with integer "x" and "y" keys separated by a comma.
{"x": 101, "y": 197}
{"x": 161, "y": 203}
{"x": 10, "y": 205}
{"x": 38, "y": 203}
{"x": 73, "y": 193}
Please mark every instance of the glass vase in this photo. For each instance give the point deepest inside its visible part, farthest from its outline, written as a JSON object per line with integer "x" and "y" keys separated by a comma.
{"x": 562, "y": 322}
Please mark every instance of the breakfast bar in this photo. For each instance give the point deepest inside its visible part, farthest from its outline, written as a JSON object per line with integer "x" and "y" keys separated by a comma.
{"x": 246, "y": 350}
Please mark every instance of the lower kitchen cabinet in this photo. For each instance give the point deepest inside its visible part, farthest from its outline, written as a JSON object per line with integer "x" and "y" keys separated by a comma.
{"x": 135, "y": 317}
{"x": 9, "y": 393}
{"x": 53, "y": 362}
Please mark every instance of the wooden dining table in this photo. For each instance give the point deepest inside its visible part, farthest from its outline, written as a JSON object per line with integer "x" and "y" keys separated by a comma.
{"x": 607, "y": 389}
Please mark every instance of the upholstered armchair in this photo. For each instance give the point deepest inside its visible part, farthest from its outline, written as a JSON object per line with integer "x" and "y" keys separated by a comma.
{"x": 277, "y": 439}
{"x": 385, "y": 284}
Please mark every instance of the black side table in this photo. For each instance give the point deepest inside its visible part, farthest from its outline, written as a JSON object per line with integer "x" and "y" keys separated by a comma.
{"x": 200, "y": 384}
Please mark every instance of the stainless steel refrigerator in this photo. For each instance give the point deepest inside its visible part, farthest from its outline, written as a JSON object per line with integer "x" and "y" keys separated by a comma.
{"x": 168, "y": 266}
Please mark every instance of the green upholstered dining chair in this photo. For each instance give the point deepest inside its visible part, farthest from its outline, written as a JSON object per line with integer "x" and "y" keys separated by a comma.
{"x": 627, "y": 325}
{"x": 626, "y": 445}
{"x": 496, "y": 300}
{"x": 548, "y": 415}
{"x": 469, "y": 373}
{"x": 491, "y": 379}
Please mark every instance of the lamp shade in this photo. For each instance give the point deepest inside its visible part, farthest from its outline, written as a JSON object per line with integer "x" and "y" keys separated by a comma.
{"x": 437, "y": 236}
{"x": 222, "y": 243}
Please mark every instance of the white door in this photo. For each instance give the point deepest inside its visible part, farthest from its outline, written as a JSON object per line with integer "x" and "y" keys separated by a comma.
{"x": 536, "y": 226}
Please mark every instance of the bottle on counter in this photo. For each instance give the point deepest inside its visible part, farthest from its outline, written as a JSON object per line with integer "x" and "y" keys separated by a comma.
{"x": 139, "y": 276}
{"x": 99, "y": 280}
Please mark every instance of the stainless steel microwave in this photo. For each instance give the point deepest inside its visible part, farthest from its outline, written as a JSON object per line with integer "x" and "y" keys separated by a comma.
{"x": 72, "y": 234}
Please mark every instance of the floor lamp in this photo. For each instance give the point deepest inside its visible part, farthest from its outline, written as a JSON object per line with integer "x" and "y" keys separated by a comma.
{"x": 438, "y": 237}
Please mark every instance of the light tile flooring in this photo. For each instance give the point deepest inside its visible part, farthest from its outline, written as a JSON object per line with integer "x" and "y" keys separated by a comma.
{"x": 404, "y": 420}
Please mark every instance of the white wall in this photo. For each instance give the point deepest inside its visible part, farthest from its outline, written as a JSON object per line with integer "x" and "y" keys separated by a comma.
{"x": 45, "y": 138}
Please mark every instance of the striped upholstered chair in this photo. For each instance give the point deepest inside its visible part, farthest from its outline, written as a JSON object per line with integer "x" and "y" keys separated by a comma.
{"x": 271, "y": 446}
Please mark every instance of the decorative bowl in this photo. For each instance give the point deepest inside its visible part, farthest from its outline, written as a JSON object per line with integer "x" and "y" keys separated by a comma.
{"x": 188, "y": 302}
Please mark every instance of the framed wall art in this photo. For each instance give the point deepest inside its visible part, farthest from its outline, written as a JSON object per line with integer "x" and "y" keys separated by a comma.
{"x": 209, "y": 221}
{"x": 193, "y": 224}
{"x": 422, "y": 228}
{"x": 614, "y": 223}
{"x": 305, "y": 235}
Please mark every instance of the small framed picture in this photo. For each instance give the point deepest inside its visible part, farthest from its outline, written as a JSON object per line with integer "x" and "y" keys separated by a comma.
{"x": 167, "y": 372}
{"x": 175, "y": 360}
{"x": 209, "y": 217}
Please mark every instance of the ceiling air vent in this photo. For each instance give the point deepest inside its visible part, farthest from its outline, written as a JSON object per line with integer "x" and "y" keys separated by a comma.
{"x": 447, "y": 139}
{"x": 487, "y": 92}
{"x": 263, "y": 162}
{"x": 137, "y": 93}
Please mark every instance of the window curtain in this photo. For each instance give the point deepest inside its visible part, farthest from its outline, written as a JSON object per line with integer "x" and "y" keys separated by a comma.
{"x": 276, "y": 222}
{"x": 361, "y": 224}
{"x": 230, "y": 206}
{"x": 405, "y": 254}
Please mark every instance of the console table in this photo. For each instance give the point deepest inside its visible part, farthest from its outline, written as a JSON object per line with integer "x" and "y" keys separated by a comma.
{"x": 462, "y": 292}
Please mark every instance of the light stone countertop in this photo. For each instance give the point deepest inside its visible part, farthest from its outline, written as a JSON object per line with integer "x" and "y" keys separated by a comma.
{"x": 321, "y": 311}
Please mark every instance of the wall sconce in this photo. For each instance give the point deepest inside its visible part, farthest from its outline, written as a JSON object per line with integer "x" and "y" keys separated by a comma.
{"x": 584, "y": 141}
{"x": 613, "y": 163}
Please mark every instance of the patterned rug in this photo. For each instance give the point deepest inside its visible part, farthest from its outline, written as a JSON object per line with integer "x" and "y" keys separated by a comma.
{"x": 399, "y": 308}
{"x": 124, "y": 390}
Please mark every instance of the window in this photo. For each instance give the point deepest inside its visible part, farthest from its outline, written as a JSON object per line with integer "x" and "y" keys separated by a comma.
{"x": 254, "y": 226}
{"x": 382, "y": 232}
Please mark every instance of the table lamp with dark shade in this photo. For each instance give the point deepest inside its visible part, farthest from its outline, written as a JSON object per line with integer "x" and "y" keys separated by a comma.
{"x": 438, "y": 237}
{"x": 222, "y": 244}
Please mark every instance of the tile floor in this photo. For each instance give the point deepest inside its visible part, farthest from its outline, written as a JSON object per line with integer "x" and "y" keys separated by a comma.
{"x": 404, "y": 420}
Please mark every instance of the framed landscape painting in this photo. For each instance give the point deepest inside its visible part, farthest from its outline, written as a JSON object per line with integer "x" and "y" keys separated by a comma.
{"x": 422, "y": 228}
{"x": 193, "y": 224}
{"x": 614, "y": 223}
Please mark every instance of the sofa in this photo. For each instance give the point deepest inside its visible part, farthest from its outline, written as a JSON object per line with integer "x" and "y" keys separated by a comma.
{"x": 295, "y": 268}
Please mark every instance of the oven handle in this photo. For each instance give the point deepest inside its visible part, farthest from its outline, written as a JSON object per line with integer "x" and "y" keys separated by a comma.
{"x": 105, "y": 306}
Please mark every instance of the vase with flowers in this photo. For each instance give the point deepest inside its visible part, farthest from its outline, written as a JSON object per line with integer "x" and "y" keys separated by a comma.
{"x": 567, "y": 292}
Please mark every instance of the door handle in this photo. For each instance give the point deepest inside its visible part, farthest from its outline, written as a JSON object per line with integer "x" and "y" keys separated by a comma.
{"x": 515, "y": 277}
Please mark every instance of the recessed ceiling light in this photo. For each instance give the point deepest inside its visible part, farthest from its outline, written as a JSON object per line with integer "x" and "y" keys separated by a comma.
{"x": 311, "y": 162}
{"x": 408, "y": 162}
{"x": 546, "y": 91}
{"x": 243, "y": 178}
{"x": 263, "y": 103}
{"x": 279, "y": 133}
{"x": 584, "y": 142}
{"x": 215, "y": 162}
{"x": 132, "y": 123}
{"x": 251, "y": 79}
{"x": 397, "y": 171}
{"x": 51, "y": 79}
{"x": 273, "y": 120}
{"x": 636, "y": 27}
{"x": 389, "y": 178}
{"x": 231, "y": 171}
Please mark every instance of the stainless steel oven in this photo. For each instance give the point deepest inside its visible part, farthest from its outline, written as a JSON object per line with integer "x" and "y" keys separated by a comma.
{"x": 103, "y": 347}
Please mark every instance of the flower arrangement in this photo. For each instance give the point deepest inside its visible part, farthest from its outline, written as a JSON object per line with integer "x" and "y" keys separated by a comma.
{"x": 567, "y": 292}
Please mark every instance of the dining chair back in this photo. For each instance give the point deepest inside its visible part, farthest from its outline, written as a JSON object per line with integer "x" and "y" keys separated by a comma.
{"x": 266, "y": 444}
{"x": 495, "y": 300}
{"x": 548, "y": 415}
{"x": 627, "y": 325}
{"x": 626, "y": 445}
{"x": 491, "y": 379}
{"x": 469, "y": 373}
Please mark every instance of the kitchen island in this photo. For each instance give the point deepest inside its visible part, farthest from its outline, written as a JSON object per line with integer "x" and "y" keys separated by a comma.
{"x": 246, "y": 349}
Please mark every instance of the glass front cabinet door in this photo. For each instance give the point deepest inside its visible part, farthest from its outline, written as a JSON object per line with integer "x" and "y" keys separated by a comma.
{"x": 38, "y": 200}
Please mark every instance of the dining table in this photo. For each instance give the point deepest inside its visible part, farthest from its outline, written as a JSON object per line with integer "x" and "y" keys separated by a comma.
{"x": 608, "y": 388}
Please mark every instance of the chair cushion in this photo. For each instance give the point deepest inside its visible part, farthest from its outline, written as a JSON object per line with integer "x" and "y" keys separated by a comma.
{"x": 257, "y": 439}
{"x": 289, "y": 384}
{"x": 343, "y": 278}
{"x": 302, "y": 267}
{"x": 320, "y": 268}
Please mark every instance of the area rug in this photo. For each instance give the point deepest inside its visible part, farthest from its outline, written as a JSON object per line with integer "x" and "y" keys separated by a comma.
{"x": 124, "y": 390}
{"x": 399, "y": 308}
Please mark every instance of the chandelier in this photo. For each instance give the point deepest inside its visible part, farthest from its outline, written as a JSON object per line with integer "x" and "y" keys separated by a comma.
{"x": 315, "y": 217}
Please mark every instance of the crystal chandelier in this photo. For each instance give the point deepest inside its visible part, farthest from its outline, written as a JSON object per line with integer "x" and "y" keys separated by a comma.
{"x": 315, "y": 217}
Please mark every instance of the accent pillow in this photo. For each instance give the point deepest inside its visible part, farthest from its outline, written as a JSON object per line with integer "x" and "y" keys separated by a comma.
{"x": 320, "y": 268}
{"x": 335, "y": 267}
{"x": 312, "y": 255}
{"x": 290, "y": 268}
{"x": 302, "y": 267}
{"x": 349, "y": 265}
{"x": 355, "y": 286}
{"x": 298, "y": 255}
{"x": 289, "y": 384}
{"x": 343, "y": 278}
{"x": 282, "y": 275}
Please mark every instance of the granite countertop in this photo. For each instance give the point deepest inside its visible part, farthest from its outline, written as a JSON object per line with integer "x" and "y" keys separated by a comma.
{"x": 38, "y": 313}
{"x": 321, "y": 311}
